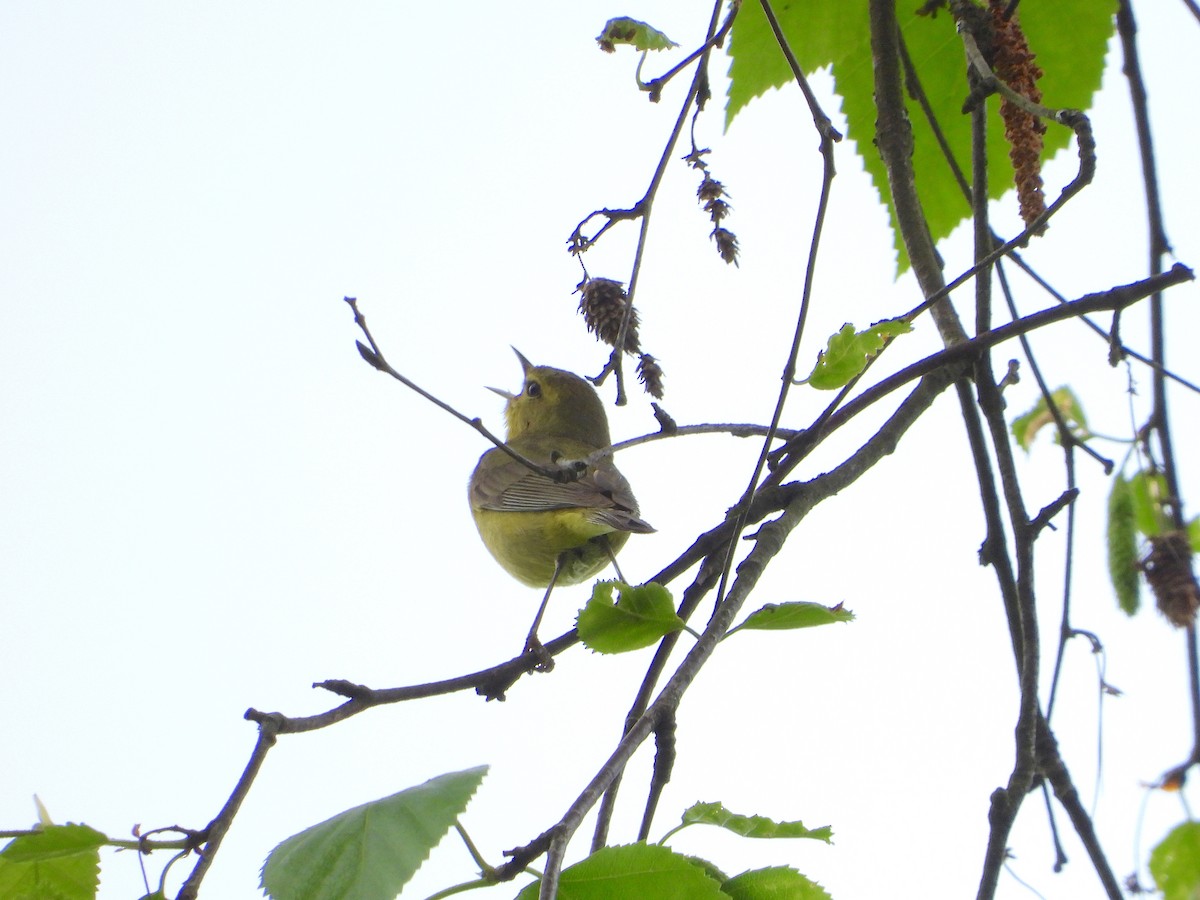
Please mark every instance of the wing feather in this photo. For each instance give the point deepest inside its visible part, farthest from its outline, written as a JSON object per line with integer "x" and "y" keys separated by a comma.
{"x": 502, "y": 483}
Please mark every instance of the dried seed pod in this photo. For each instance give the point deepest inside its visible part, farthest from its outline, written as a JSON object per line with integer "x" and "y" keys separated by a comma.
{"x": 710, "y": 189}
{"x": 1168, "y": 568}
{"x": 650, "y": 374}
{"x": 603, "y": 302}
{"x": 727, "y": 244}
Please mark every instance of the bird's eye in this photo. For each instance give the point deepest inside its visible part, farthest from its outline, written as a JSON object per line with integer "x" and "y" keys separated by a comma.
{"x": 533, "y": 389}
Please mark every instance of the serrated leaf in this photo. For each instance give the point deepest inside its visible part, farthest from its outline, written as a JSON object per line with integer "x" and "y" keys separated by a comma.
{"x": 774, "y": 883}
{"x": 59, "y": 862}
{"x": 752, "y": 826}
{"x": 369, "y": 852}
{"x": 641, "y": 616}
{"x": 711, "y": 869}
{"x": 1149, "y": 492}
{"x": 797, "y": 614}
{"x": 837, "y": 34}
{"x": 1175, "y": 863}
{"x": 633, "y": 871}
{"x": 1025, "y": 428}
{"x": 1122, "y": 546}
{"x": 849, "y": 351}
{"x": 624, "y": 30}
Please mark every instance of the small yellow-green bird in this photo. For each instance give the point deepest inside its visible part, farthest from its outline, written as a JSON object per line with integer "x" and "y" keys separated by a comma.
{"x": 542, "y": 531}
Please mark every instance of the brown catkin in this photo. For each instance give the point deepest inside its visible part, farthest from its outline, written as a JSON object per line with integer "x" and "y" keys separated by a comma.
{"x": 1014, "y": 64}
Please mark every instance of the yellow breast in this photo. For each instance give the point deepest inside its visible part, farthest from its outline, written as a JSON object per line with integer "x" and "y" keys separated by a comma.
{"x": 528, "y": 544}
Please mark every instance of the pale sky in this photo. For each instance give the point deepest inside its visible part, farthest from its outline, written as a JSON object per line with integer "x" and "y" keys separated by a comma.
{"x": 211, "y": 502}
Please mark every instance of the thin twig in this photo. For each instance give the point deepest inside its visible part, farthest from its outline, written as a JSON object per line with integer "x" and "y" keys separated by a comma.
{"x": 214, "y": 834}
{"x": 568, "y": 471}
{"x": 1159, "y": 247}
{"x": 1006, "y": 803}
{"x": 655, "y": 85}
{"x": 894, "y": 139}
{"x": 643, "y": 208}
{"x": 1115, "y": 298}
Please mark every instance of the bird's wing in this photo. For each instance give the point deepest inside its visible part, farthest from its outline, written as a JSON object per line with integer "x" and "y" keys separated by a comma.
{"x": 502, "y": 483}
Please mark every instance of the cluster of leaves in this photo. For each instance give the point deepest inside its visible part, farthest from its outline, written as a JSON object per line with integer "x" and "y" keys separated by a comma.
{"x": 642, "y": 615}
{"x": 836, "y": 34}
{"x": 655, "y": 871}
{"x": 370, "y": 852}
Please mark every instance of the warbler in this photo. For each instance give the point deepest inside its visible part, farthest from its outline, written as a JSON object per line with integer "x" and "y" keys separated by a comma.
{"x": 546, "y": 532}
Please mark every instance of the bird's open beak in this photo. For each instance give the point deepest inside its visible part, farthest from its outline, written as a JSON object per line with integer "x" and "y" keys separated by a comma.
{"x": 526, "y": 365}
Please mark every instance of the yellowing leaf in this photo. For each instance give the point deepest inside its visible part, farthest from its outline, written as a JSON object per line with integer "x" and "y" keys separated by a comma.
{"x": 624, "y": 30}
{"x": 1025, "y": 428}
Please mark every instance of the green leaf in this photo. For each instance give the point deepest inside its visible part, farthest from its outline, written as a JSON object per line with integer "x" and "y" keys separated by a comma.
{"x": 370, "y": 851}
{"x": 59, "y": 862}
{"x": 1193, "y": 531}
{"x": 836, "y": 33}
{"x": 849, "y": 351}
{"x": 641, "y": 616}
{"x": 798, "y": 614}
{"x": 752, "y": 826}
{"x": 1150, "y": 494}
{"x": 774, "y": 883}
{"x": 1122, "y": 546}
{"x": 632, "y": 872}
{"x": 1175, "y": 863}
{"x": 1025, "y": 428}
{"x": 624, "y": 30}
